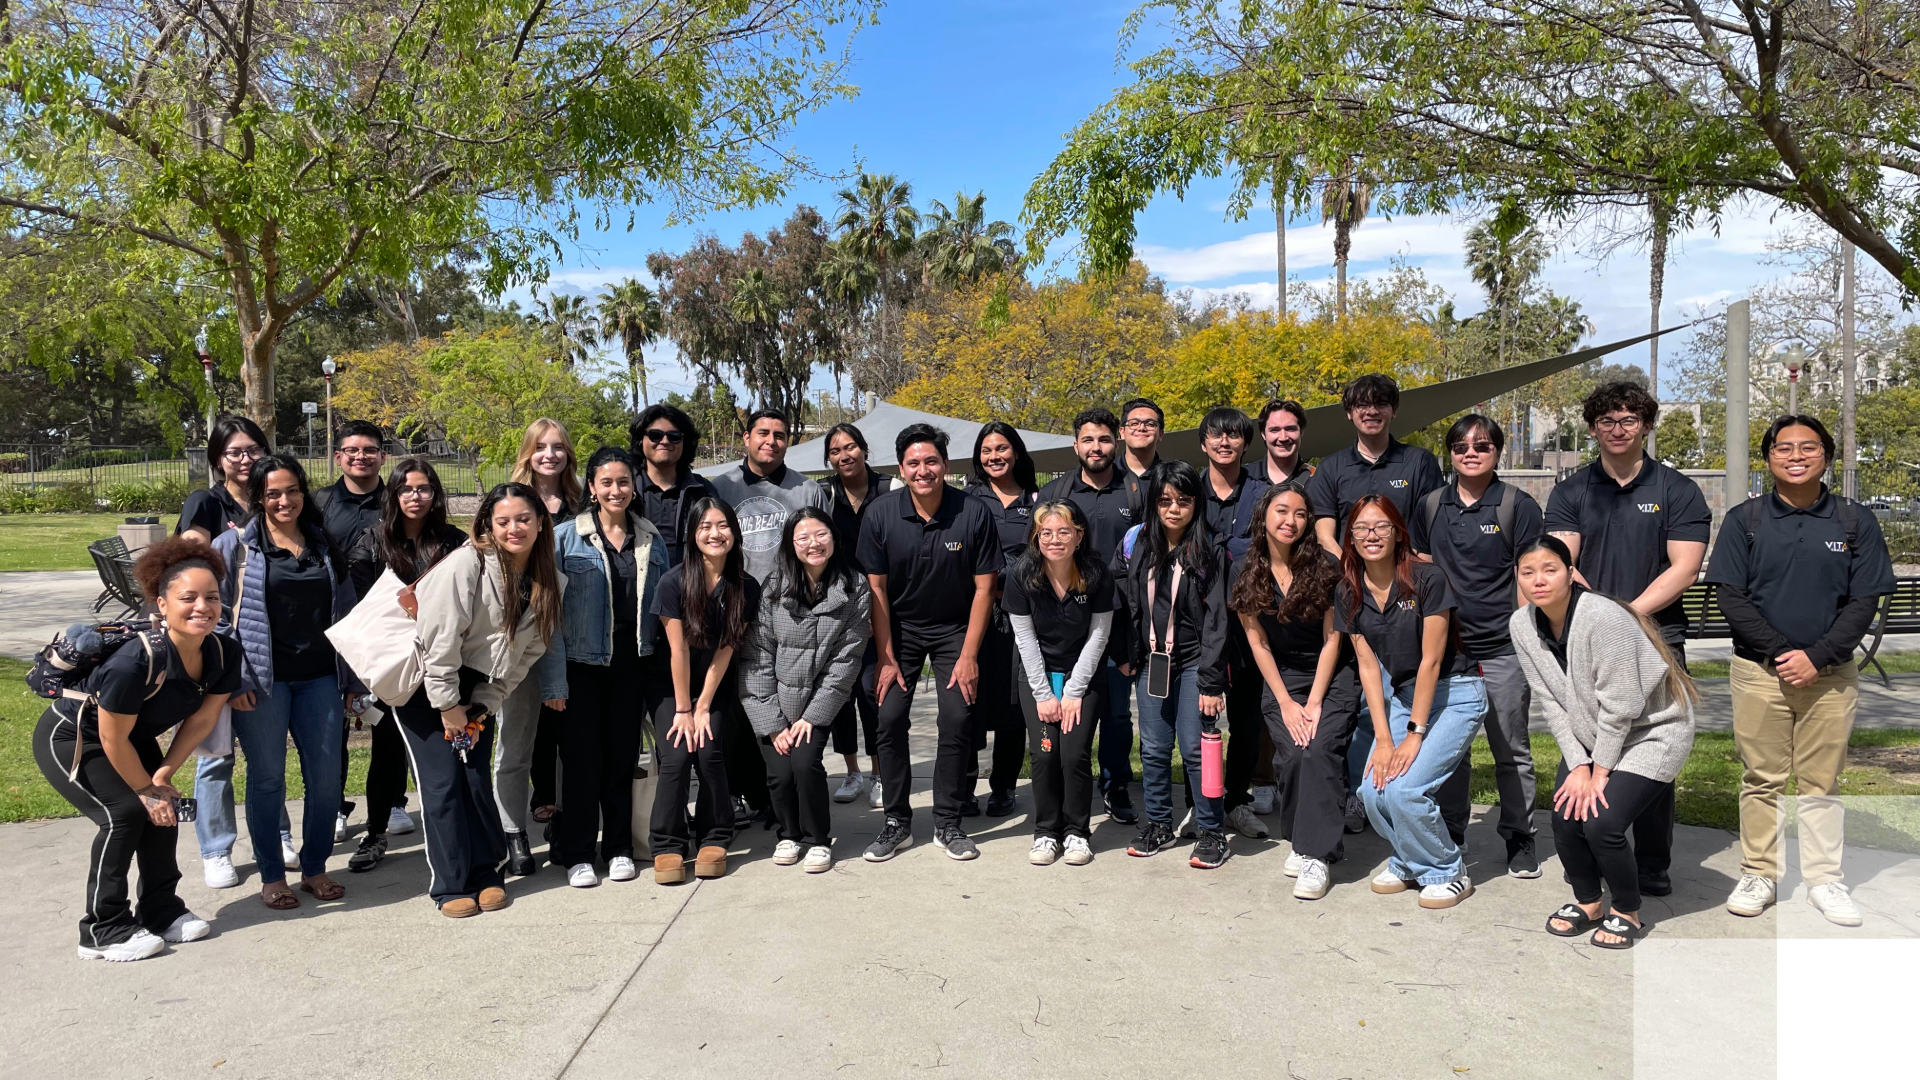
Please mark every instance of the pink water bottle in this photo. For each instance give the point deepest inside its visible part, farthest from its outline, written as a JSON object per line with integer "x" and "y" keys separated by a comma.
{"x": 1213, "y": 773}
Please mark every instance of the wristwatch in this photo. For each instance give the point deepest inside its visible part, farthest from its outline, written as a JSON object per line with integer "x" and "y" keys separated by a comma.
{"x": 1416, "y": 729}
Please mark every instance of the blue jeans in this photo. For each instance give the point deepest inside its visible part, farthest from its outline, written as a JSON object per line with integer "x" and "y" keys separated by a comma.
{"x": 1406, "y": 811}
{"x": 213, "y": 790}
{"x": 1162, "y": 720}
{"x": 310, "y": 711}
{"x": 1116, "y": 729}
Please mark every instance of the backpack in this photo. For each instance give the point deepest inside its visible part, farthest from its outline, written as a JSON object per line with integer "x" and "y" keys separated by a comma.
{"x": 77, "y": 652}
{"x": 1503, "y": 515}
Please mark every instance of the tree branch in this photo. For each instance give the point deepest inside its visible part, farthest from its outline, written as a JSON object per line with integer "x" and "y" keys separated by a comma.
{"x": 93, "y": 221}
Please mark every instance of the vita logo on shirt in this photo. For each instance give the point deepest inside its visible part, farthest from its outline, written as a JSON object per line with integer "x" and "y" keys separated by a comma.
{"x": 1410, "y": 604}
{"x": 1490, "y": 529}
{"x": 1396, "y": 483}
{"x": 1649, "y": 508}
{"x": 1837, "y": 546}
{"x": 953, "y": 545}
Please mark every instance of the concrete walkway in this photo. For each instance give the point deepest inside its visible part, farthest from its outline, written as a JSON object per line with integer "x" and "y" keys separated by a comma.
{"x": 38, "y": 604}
{"x": 994, "y": 968}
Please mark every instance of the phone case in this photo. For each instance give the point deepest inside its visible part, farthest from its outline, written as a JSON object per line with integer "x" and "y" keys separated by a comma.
{"x": 1159, "y": 674}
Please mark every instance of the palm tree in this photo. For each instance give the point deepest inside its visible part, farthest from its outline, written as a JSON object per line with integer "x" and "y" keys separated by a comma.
{"x": 961, "y": 245}
{"x": 568, "y": 325}
{"x": 756, "y": 305}
{"x": 1504, "y": 257}
{"x": 1660, "y": 210}
{"x": 1345, "y": 201}
{"x": 631, "y": 312}
{"x": 877, "y": 218}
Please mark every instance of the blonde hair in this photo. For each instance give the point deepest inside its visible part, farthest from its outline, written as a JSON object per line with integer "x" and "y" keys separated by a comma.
{"x": 1076, "y": 581}
{"x": 522, "y": 472}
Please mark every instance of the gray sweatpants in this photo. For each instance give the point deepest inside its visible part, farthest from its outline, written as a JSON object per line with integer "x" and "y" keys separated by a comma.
{"x": 1509, "y": 702}
{"x": 513, "y": 753}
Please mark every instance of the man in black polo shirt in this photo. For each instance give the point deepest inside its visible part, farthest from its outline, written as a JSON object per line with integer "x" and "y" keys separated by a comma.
{"x": 932, "y": 555}
{"x": 351, "y": 505}
{"x": 1638, "y": 532}
{"x": 1377, "y": 463}
{"x": 1141, "y": 426}
{"x": 1230, "y": 494}
{"x": 1800, "y": 572}
{"x": 1472, "y": 529}
{"x": 1281, "y": 424}
{"x": 1105, "y": 493}
{"x": 666, "y": 439}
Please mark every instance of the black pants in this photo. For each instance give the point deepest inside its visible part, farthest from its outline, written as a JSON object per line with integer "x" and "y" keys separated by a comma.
{"x": 997, "y": 711}
{"x": 466, "y": 846}
{"x": 1062, "y": 760}
{"x": 1310, "y": 782}
{"x": 1653, "y": 832}
{"x": 600, "y": 736}
{"x": 955, "y": 765}
{"x": 1595, "y": 850}
{"x": 546, "y": 755}
{"x": 1245, "y": 733}
{"x": 677, "y": 765}
{"x": 746, "y": 773}
{"x": 386, "y": 775}
{"x": 859, "y": 716}
{"x": 797, "y": 782}
{"x": 127, "y": 836}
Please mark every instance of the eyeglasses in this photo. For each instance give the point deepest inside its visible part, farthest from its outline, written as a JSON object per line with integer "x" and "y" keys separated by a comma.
{"x": 1142, "y": 425}
{"x": 1380, "y": 530}
{"x": 243, "y": 453}
{"x": 670, "y": 436}
{"x": 1225, "y": 436}
{"x": 1478, "y": 448}
{"x": 1175, "y": 502}
{"x": 1618, "y": 423}
{"x": 360, "y": 451}
{"x": 1066, "y": 533}
{"x": 420, "y": 492}
{"x": 1805, "y": 449}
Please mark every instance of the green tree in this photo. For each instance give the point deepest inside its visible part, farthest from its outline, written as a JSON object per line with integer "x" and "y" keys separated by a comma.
{"x": 961, "y": 245}
{"x": 567, "y": 325}
{"x": 877, "y": 229}
{"x": 474, "y": 380}
{"x": 630, "y": 313}
{"x": 273, "y": 150}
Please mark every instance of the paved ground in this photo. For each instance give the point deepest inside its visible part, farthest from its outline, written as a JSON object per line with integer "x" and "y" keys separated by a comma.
{"x": 39, "y": 604}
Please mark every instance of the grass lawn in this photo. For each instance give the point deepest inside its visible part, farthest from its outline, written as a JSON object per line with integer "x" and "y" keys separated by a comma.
{"x": 53, "y": 541}
{"x": 1902, "y": 663}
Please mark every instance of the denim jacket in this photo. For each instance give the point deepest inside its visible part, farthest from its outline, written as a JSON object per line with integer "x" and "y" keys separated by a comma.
{"x": 586, "y": 612}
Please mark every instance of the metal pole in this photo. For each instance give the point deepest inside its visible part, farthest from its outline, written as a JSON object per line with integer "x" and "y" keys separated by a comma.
{"x": 1738, "y": 329}
{"x": 1280, "y": 242}
{"x": 1850, "y": 444}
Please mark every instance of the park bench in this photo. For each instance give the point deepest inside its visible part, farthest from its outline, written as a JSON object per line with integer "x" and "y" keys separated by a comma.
{"x": 1899, "y": 613}
{"x": 114, "y": 564}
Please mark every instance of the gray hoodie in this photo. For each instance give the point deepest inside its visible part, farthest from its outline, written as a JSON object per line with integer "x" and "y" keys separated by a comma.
{"x": 763, "y": 505}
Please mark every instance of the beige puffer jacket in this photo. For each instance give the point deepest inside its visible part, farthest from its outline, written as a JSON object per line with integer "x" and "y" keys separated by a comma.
{"x": 461, "y": 623}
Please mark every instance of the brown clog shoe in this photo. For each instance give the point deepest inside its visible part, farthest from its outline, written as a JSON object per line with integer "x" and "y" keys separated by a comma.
{"x": 459, "y": 907}
{"x": 493, "y": 898}
{"x": 669, "y": 870}
{"x": 711, "y": 863}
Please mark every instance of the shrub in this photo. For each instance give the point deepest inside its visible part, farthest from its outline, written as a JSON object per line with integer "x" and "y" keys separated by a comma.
{"x": 156, "y": 497}
{"x": 48, "y": 499}
{"x": 95, "y": 459}
{"x": 18, "y": 500}
{"x": 13, "y": 462}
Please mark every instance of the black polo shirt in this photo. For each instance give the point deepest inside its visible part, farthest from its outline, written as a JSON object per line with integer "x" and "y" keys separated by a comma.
{"x": 348, "y": 514}
{"x": 120, "y": 685}
{"x": 1230, "y": 521}
{"x": 1062, "y": 624}
{"x": 1465, "y": 542}
{"x": 1799, "y": 569}
{"x": 1110, "y": 510}
{"x": 299, "y": 601}
{"x": 668, "y": 507}
{"x": 1011, "y": 521}
{"x": 1295, "y": 643}
{"x": 1624, "y": 529}
{"x": 1404, "y": 474}
{"x": 846, "y": 519}
{"x": 929, "y": 565}
{"x": 1261, "y": 470}
{"x": 212, "y": 509}
{"x": 1395, "y": 633}
{"x": 623, "y": 577}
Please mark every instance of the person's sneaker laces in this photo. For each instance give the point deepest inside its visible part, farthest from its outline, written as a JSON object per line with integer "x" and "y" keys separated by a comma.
{"x": 340, "y": 827}
{"x": 1152, "y": 837}
{"x": 1312, "y": 882}
{"x": 219, "y": 871}
{"x": 1079, "y": 852}
{"x": 621, "y": 868}
{"x": 958, "y": 845}
{"x": 1521, "y": 862}
{"x": 895, "y": 837}
{"x": 1295, "y": 863}
{"x": 787, "y": 852}
{"x": 399, "y": 822}
{"x": 1354, "y": 817}
{"x": 875, "y": 800}
{"x": 1186, "y": 831}
{"x": 1045, "y": 850}
{"x": 1246, "y": 822}
{"x": 1447, "y": 895}
{"x": 581, "y": 876}
{"x": 1211, "y": 852}
{"x": 368, "y": 855}
{"x": 850, "y": 788}
{"x": 1263, "y": 796}
{"x": 1120, "y": 804}
{"x": 188, "y": 927}
{"x": 1752, "y": 896}
{"x": 1833, "y": 901}
{"x": 819, "y": 859}
{"x": 138, "y": 947}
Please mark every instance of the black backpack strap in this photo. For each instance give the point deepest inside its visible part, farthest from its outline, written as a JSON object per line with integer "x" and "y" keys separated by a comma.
{"x": 1508, "y": 509}
{"x": 1849, "y": 514}
{"x": 1430, "y": 509}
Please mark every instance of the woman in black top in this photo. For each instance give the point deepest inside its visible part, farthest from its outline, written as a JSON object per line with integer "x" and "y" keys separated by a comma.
{"x": 705, "y": 604}
{"x": 852, "y": 487}
{"x": 233, "y": 445}
{"x": 1283, "y": 594}
{"x": 1059, "y": 600}
{"x": 103, "y": 755}
{"x": 1004, "y": 481}
{"x": 413, "y": 534}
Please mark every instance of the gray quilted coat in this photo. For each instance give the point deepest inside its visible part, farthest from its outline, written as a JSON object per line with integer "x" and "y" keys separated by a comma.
{"x": 800, "y": 663}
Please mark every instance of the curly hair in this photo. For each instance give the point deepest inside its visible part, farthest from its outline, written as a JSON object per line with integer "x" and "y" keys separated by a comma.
{"x": 160, "y": 563}
{"x": 1314, "y": 574}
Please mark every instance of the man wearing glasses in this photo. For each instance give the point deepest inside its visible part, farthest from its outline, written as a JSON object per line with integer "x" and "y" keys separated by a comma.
{"x": 351, "y": 504}
{"x": 1638, "y": 532}
{"x": 1141, "y": 425}
{"x": 664, "y": 437}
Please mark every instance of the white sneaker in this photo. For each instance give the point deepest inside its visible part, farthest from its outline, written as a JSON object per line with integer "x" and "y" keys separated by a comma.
{"x": 1246, "y": 822}
{"x": 188, "y": 927}
{"x": 819, "y": 859}
{"x": 1313, "y": 880}
{"x": 1296, "y": 862}
{"x": 1386, "y": 882}
{"x": 1447, "y": 895}
{"x": 138, "y": 947}
{"x": 1752, "y": 896}
{"x": 850, "y": 788}
{"x": 399, "y": 822}
{"x": 621, "y": 868}
{"x": 1832, "y": 901}
{"x": 289, "y": 857}
{"x": 1186, "y": 830}
{"x": 1263, "y": 796}
{"x": 874, "y": 798}
{"x": 1079, "y": 852}
{"x": 219, "y": 871}
{"x": 581, "y": 876}
{"x": 1045, "y": 850}
{"x": 339, "y": 828}
{"x": 787, "y": 852}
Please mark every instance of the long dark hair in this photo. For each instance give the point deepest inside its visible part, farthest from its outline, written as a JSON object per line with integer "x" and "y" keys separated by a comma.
{"x": 791, "y": 584}
{"x": 601, "y": 458}
{"x": 1193, "y": 549}
{"x": 689, "y": 434}
{"x": 1023, "y": 473}
{"x": 733, "y": 586}
{"x": 540, "y": 568}
{"x": 401, "y": 555}
{"x": 1679, "y": 681}
{"x": 1353, "y": 566}
{"x": 310, "y": 521}
{"x": 1088, "y": 568}
{"x": 224, "y": 429}
{"x": 1314, "y": 575}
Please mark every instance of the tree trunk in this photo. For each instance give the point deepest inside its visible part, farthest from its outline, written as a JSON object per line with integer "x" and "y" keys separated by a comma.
{"x": 258, "y": 341}
{"x": 1342, "y": 244}
{"x": 1662, "y": 213}
{"x": 1280, "y": 245}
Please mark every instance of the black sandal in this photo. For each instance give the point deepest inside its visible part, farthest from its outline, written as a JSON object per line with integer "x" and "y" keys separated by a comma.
{"x": 1619, "y": 927}
{"x": 1571, "y": 913}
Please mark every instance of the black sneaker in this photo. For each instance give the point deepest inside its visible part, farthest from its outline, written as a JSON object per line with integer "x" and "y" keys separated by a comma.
{"x": 1210, "y": 852}
{"x": 743, "y": 814}
{"x": 1120, "y": 805}
{"x": 1521, "y": 862}
{"x": 958, "y": 846}
{"x": 895, "y": 837}
{"x": 1354, "y": 816}
{"x": 1000, "y": 804}
{"x": 1657, "y": 885}
{"x": 970, "y": 807}
{"x": 372, "y": 849}
{"x": 1153, "y": 836}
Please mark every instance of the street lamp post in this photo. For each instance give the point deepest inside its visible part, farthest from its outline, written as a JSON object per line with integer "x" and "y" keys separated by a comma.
{"x": 1796, "y": 360}
{"x": 327, "y": 368}
{"x": 206, "y": 368}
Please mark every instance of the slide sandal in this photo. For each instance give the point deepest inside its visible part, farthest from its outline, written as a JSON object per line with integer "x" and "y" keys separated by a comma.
{"x": 1571, "y": 913}
{"x": 1614, "y": 924}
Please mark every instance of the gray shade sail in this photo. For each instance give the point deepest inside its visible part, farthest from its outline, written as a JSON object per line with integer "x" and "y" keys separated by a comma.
{"x": 886, "y": 421}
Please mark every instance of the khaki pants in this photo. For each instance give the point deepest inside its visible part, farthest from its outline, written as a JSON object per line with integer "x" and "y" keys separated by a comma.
{"x": 1781, "y": 729}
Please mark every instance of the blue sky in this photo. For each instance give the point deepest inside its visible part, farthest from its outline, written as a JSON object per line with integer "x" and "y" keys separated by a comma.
{"x": 980, "y": 95}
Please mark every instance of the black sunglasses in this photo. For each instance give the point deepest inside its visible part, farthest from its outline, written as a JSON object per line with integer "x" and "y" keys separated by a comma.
{"x": 656, "y": 435}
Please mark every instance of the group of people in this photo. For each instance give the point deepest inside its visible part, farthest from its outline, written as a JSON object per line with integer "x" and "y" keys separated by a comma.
{"x": 1349, "y": 626}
